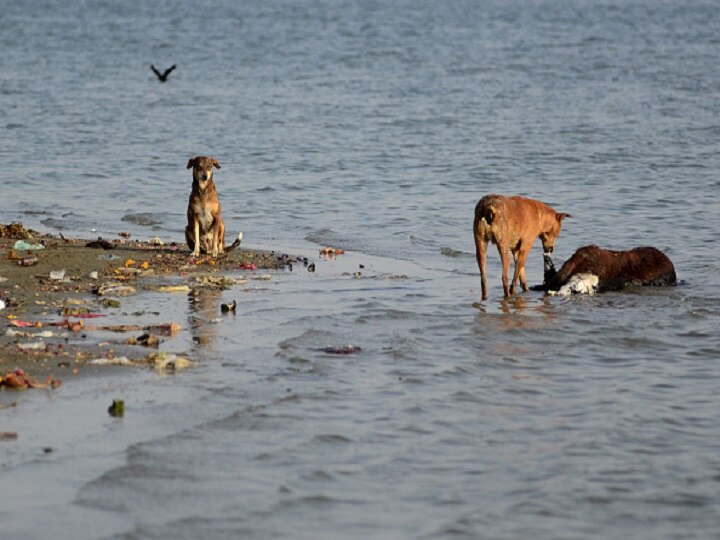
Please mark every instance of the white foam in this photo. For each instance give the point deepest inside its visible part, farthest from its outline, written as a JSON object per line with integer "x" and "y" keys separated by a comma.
{"x": 578, "y": 284}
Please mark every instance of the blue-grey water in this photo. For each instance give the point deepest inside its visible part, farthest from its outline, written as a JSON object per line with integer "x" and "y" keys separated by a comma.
{"x": 376, "y": 126}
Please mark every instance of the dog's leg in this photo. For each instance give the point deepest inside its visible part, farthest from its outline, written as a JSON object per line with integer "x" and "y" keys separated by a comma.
{"x": 214, "y": 238}
{"x": 481, "y": 255}
{"x": 505, "y": 259}
{"x": 520, "y": 257}
{"x": 196, "y": 251}
{"x": 189, "y": 238}
{"x": 221, "y": 237}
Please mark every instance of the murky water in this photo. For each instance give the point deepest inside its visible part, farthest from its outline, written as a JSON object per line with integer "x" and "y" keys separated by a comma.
{"x": 376, "y": 126}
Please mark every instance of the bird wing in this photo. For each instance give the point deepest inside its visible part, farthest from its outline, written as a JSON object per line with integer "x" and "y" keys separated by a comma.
{"x": 168, "y": 70}
{"x": 156, "y": 72}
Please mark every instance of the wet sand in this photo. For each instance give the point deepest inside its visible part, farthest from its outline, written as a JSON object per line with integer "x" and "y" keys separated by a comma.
{"x": 67, "y": 313}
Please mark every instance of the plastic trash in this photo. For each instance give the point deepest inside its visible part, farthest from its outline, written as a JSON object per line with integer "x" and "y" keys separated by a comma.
{"x": 57, "y": 275}
{"x": 116, "y": 290}
{"x": 32, "y": 346}
{"x": 2, "y": 305}
{"x": 28, "y": 261}
{"x": 22, "y": 245}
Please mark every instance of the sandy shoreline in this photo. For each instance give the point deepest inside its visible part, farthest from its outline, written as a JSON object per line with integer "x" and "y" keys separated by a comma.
{"x": 66, "y": 311}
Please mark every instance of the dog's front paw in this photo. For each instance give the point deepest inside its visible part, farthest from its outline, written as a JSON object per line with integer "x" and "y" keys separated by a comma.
{"x": 196, "y": 253}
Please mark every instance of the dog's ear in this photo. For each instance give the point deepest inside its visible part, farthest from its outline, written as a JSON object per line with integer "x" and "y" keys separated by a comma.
{"x": 191, "y": 163}
{"x": 215, "y": 163}
{"x": 562, "y": 215}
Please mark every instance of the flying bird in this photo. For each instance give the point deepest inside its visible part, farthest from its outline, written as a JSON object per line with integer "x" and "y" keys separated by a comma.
{"x": 163, "y": 76}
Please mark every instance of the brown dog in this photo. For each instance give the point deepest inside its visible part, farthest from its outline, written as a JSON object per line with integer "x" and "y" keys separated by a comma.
{"x": 593, "y": 269}
{"x": 205, "y": 229}
{"x": 513, "y": 223}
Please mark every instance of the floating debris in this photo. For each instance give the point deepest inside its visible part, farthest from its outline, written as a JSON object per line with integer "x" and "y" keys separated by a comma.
{"x": 343, "y": 349}
{"x": 146, "y": 340}
{"x": 228, "y": 308}
{"x": 115, "y": 289}
{"x": 172, "y": 288}
{"x": 117, "y": 408}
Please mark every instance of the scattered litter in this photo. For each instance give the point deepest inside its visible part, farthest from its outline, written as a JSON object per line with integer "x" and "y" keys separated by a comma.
{"x": 168, "y": 362}
{"x": 117, "y": 409}
{"x": 26, "y": 324}
{"x": 57, "y": 275}
{"x": 165, "y": 329}
{"x": 93, "y": 274}
{"x": 124, "y": 234}
{"x": 228, "y": 308}
{"x": 18, "y": 380}
{"x": 219, "y": 282}
{"x": 160, "y": 361}
{"x": 2, "y": 305}
{"x": 110, "y": 302}
{"x": 8, "y": 436}
{"x": 157, "y": 241}
{"x": 73, "y": 326}
{"x": 343, "y": 349}
{"x": 3, "y": 279}
{"x": 33, "y": 346}
{"x": 16, "y": 333}
{"x": 21, "y": 245}
{"x": 28, "y": 261}
{"x": 331, "y": 251}
{"x": 263, "y": 277}
{"x": 248, "y": 266}
{"x": 108, "y": 257}
{"x": 147, "y": 340}
{"x": 115, "y": 361}
{"x": 115, "y": 290}
{"x": 173, "y": 288}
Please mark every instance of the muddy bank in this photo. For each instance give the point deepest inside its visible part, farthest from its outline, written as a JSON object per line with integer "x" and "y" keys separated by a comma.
{"x": 68, "y": 302}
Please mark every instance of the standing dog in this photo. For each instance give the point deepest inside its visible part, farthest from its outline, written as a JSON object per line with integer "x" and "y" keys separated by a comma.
{"x": 513, "y": 223}
{"x": 205, "y": 229}
{"x": 594, "y": 269}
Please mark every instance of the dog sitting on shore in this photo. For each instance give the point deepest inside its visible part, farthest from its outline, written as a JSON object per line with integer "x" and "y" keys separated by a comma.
{"x": 513, "y": 224}
{"x": 205, "y": 230}
{"x": 594, "y": 269}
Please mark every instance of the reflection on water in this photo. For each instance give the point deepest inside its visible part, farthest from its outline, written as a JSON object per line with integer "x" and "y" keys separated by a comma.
{"x": 203, "y": 314}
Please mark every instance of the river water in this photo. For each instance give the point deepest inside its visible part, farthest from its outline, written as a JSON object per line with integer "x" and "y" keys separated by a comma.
{"x": 376, "y": 126}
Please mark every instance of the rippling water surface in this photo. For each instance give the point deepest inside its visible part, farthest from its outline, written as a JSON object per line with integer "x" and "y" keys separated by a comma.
{"x": 376, "y": 126}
